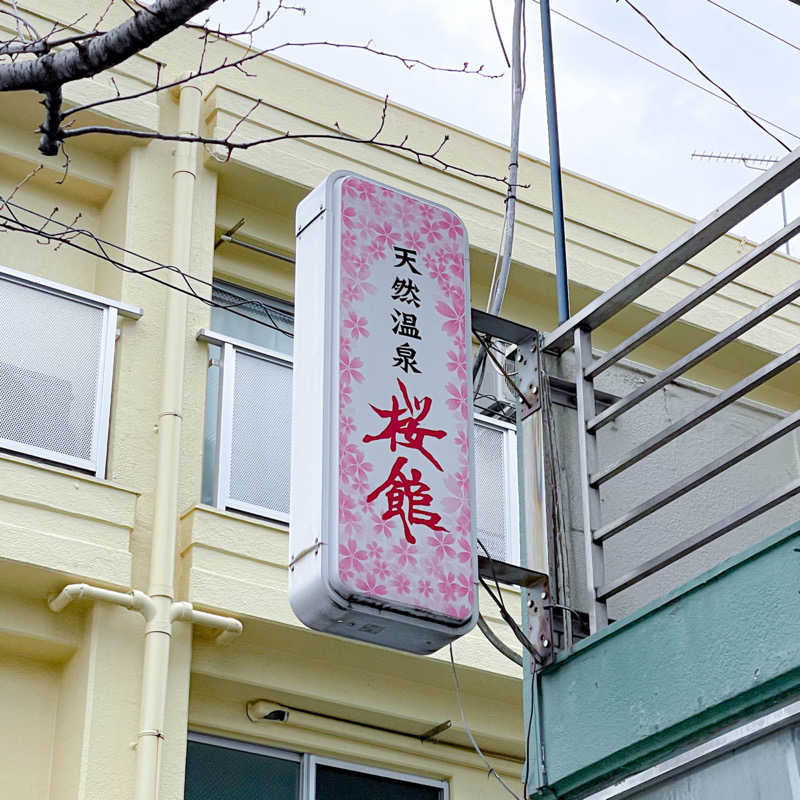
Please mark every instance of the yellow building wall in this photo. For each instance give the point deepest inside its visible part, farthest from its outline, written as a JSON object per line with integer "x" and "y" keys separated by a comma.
{"x": 71, "y": 682}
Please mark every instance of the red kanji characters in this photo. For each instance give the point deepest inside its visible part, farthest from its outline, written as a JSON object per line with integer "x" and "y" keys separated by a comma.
{"x": 408, "y": 499}
{"x": 404, "y": 424}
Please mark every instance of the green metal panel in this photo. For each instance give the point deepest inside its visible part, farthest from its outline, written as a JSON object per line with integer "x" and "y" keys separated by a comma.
{"x": 716, "y": 649}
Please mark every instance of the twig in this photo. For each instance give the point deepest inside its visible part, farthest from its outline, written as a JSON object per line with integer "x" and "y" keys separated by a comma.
{"x": 420, "y": 156}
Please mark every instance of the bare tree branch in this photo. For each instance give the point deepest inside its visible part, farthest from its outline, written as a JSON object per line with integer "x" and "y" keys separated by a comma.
{"x": 106, "y": 50}
{"x": 239, "y": 63}
{"x": 432, "y": 157}
{"x": 43, "y": 45}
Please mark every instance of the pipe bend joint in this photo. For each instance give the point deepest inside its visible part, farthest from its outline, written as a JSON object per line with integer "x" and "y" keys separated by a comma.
{"x": 181, "y": 611}
{"x": 142, "y": 603}
{"x": 74, "y": 591}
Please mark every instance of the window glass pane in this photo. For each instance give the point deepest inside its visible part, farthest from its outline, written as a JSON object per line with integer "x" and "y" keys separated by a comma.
{"x": 50, "y": 350}
{"x": 259, "y": 307}
{"x": 221, "y": 773}
{"x": 341, "y": 784}
{"x": 490, "y": 490}
{"x": 256, "y": 306}
{"x": 260, "y": 443}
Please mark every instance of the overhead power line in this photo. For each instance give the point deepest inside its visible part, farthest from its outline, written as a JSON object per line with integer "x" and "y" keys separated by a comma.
{"x": 688, "y": 58}
{"x": 754, "y": 25}
{"x": 663, "y": 68}
{"x": 48, "y": 230}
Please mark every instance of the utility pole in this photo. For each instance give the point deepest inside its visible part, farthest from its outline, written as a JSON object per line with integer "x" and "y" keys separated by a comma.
{"x": 562, "y": 285}
{"x": 751, "y": 162}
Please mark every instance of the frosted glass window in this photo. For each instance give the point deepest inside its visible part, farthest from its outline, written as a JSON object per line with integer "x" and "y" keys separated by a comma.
{"x": 56, "y": 355}
{"x": 496, "y": 490}
{"x": 254, "y": 459}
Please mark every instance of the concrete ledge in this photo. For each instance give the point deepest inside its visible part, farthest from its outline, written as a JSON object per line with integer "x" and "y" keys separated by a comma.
{"x": 718, "y": 648}
{"x": 85, "y": 534}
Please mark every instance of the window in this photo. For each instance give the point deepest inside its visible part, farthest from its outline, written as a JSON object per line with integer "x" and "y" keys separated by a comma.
{"x": 496, "y": 490}
{"x": 248, "y": 405}
{"x": 248, "y": 420}
{"x": 56, "y": 370}
{"x": 223, "y": 769}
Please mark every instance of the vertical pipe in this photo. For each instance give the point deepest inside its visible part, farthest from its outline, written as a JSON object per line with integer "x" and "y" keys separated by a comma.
{"x": 590, "y": 496}
{"x": 496, "y": 299}
{"x": 158, "y": 632}
{"x": 562, "y": 288}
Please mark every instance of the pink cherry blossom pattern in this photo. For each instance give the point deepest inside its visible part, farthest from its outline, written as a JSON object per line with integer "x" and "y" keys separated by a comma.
{"x": 447, "y": 586}
{"x": 370, "y": 585}
{"x": 452, "y": 225}
{"x": 465, "y": 587}
{"x": 464, "y": 550}
{"x": 430, "y": 230}
{"x": 356, "y": 325}
{"x": 347, "y": 425}
{"x": 413, "y": 241}
{"x": 454, "y": 317}
{"x": 382, "y": 526}
{"x": 353, "y": 464}
{"x": 458, "y": 398}
{"x": 349, "y": 217}
{"x": 381, "y": 569}
{"x": 351, "y": 557}
{"x": 385, "y": 236}
{"x": 457, "y": 363}
{"x": 401, "y": 584}
{"x": 404, "y": 553}
{"x": 461, "y": 440}
{"x": 374, "y": 550}
{"x": 442, "y": 544}
{"x": 349, "y": 368}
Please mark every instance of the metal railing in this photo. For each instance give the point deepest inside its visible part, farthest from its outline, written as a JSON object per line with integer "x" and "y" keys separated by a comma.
{"x": 577, "y": 331}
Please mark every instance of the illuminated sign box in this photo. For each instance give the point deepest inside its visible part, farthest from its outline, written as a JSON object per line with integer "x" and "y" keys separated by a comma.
{"x": 382, "y": 543}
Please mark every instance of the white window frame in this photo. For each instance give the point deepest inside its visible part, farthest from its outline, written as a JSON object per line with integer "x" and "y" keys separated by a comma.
{"x": 309, "y": 762}
{"x": 229, "y": 347}
{"x": 510, "y": 482}
{"x": 111, "y": 309}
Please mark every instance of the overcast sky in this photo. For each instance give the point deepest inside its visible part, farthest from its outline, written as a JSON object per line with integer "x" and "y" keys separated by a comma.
{"x": 622, "y": 121}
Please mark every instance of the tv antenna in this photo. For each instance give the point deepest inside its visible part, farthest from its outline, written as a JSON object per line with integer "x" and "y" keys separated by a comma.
{"x": 759, "y": 163}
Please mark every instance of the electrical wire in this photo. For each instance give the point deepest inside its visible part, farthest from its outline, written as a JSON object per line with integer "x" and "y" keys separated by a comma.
{"x": 68, "y": 234}
{"x": 754, "y": 25}
{"x": 688, "y": 58}
{"x": 499, "y": 35}
{"x": 491, "y": 771}
{"x": 663, "y": 68}
{"x": 528, "y": 736}
{"x": 504, "y": 612}
{"x": 497, "y": 642}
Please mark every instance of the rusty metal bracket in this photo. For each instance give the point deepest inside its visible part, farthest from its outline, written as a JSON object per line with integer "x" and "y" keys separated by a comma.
{"x": 537, "y": 622}
{"x": 528, "y": 369}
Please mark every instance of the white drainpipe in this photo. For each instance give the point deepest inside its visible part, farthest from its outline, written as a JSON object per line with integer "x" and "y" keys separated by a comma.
{"x": 158, "y": 631}
{"x": 158, "y": 606}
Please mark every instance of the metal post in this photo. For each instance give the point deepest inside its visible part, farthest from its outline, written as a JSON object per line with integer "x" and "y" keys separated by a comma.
{"x": 783, "y": 209}
{"x": 562, "y": 288}
{"x": 590, "y": 496}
